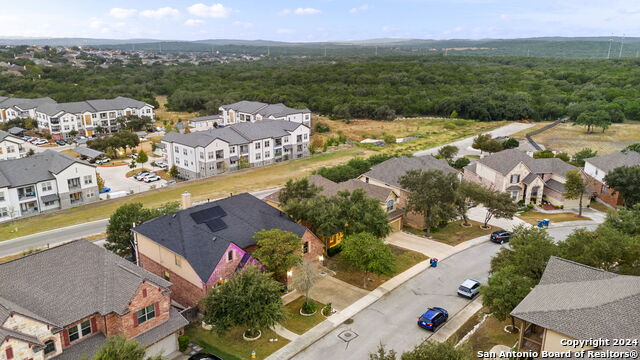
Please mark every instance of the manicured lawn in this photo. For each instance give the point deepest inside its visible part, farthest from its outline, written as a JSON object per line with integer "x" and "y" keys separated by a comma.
{"x": 532, "y": 217}
{"x": 600, "y": 207}
{"x": 472, "y": 156}
{"x": 114, "y": 163}
{"x": 345, "y": 272}
{"x": 468, "y": 326}
{"x": 454, "y": 233}
{"x": 231, "y": 346}
{"x": 491, "y": 333}
{"x": 135, "y": 171}
{"x": 300, "y": 324}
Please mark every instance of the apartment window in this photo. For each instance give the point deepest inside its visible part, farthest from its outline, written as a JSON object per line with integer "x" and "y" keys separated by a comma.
{"x": 202, "y": 155}
{"x": 267, "y": 143}
{"x": 176, "y": 149}
{"x": 257, "y": 145}
{"x": 103, "y": 116}
{"x": 4, "y": 212}
{"x": 515, "y": 179}
{"x": 90, "y": 195}
{"x": 1, "y": 195}
{"x": 305, "y": 247}
{"x": 230, "y": 255}
{"x": 112, "y": 114}
{"x": 305, "y": 136}
{"x": 93, "y": 116}
{"x": 49, "y": 203}
{"x": 146, "y": 314}
{"x": 210, "y": 155}
{"x": 219, "y": 154}
{"x": 241, "y": 117}
{"x": 232, "y": 149}
{"x": 184, "y": 151}
{"x": 79, "y": 331}
{"x": 88, "y": 179}
{"x": 299, "y": 138}
{"x": 166, "y": 275}
{"x": 299, "y": 148}
{"x": 49, "y": 347}
{"x": 267, "y": 154}
{"x": 285, "y": 139}
{"x": 258, "y": 156}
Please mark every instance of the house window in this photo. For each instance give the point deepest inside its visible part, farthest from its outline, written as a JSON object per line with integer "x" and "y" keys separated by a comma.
{"x": 514, "y": 195}
{"x": 79, "y": 331}
{"x": 9, "y": 352}
{"x": 366, "y": 179}
{"x": 515, "y": 179}
{"x": 534, "y": 192}
{"x": 389, "y": 205}
{"x": 88, "y": 179}
{"x": 257, "y": 145}
{"x": 603, "y": 189}
{"x": 230, "y": 255}
{"x": 266, "y": 143}
{"x": 146, "y": 314}
{"x": 45, "y": 187}
{"x": 49, "y": 347}
{"x": 4, "y": 212}
{"x": 305, "y": 247}
{"x": 232, "y": 149}
{"x": 166, "y": 275}
{"x": 1, "y": 195}
{"x": 258, "y": 156}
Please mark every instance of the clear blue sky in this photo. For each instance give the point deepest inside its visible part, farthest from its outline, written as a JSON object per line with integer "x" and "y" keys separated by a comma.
{"x": 318, "y": 20}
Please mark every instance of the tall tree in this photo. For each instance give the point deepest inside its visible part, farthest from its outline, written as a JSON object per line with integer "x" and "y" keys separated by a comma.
{"x": 579, "y": 157}
{"x": 251, "y": 299}
{"x": 278, "y": 251}
{"x": 298, "y": 189}
{"x": 498, "y": 204}
{"x": 119, "y": 348}
{"x": 504, "y": 291}
{"x": 304, "y": 278}
{"x": 576, "y": 187}
{"x": 369, "y": 254}
{"x": 360, "y": 213}
{"x": 624, "y": 180}
{"x": 142, "y": 157}
{"x": 469, "y": 195}
{"x": 432, "y": 194}
{"x": 448, "y": 152}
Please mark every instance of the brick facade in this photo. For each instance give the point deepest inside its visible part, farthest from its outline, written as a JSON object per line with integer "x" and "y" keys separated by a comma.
{"x": 410, "y": 218}
{"x": 608, "y": 196}
{"x": 316, "y": 247}
{"x": 183, "y": 291}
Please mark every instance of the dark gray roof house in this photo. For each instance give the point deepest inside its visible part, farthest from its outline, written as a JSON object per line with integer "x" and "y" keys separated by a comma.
{"x": 264, "y": 109}
{"x": 204, "y": 243}
{"x": 390, "y": 171}
{"x": 582, "y": 302}
{"x": 609, "y": 162}
{"x": 504, "y": 161}
{"x": 34, "y": 169}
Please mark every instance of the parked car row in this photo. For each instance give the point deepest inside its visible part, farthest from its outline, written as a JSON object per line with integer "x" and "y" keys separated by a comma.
{"x": 102, "y": 161}
{"x": 162, "y": 164}
{"x": 35, "y": 140}
{"x": 146, "y": 176}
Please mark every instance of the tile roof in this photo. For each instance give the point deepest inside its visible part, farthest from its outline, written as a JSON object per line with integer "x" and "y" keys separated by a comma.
{"x": 33, "y": 169}
{"x": 609, "y": 162}
{"x": 391, "y": 170}
{"x": 571, "y": 298}
{"x": 204, "y": 248}
{"x": 71, "y": 281}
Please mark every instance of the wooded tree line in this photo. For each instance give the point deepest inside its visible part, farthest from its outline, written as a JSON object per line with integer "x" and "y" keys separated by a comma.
{"x": 481, "y": 88}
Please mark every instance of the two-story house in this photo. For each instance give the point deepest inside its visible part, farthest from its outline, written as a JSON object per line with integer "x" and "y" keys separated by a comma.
{"x": 526, "y": 179}
{"x": 62, "y": 303}
{"x": 202, "y": 246}
{"x": 387, "y": 174}
{"x": 577, "y": 302}
{"x": 13, "y": 147}
{"x": 252, "y": 111}
{"x": 206, "y": 153}
{"x": 44, "y": 182}
{"x": 598, "y": 167}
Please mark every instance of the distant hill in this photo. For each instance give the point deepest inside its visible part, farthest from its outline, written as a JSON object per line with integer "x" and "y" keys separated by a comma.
{"x": 564, "y": 47}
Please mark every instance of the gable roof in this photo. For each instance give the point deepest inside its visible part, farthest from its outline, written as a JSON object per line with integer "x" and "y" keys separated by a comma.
{"x": 5, "y": 135}
{"x": 71, "y": 281}
{"x": 609, "y": 162}
{"x": 264, "y": 109}
{"x": 571, "y": 297}
{"x": 36, "y": 168}
{"x": 203, "y": 247}
{"x": 330, "y": 188}
{"x": 50, "y": 107}
{"x": 505, "y": 160}
{"x": 25, "y": 104}
{"x": 391, "y": 170}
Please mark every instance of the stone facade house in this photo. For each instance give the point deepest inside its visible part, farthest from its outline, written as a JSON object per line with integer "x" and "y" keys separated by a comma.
{"x": 598, "y": 167}
{"x": 200, "y": 247}
{"x": 526, "y": 179}
{"x": 578, "y": 302}
{"x": 387, "y": 174}
{"x": 62, "y": 303}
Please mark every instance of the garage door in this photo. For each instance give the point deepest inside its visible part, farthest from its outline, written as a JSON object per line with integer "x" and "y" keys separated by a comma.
{"x": 164, "y": 347}
{"x": 396, "y": 225}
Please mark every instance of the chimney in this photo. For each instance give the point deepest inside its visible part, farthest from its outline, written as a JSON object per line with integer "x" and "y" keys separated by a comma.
{"x": 186, "y": 200}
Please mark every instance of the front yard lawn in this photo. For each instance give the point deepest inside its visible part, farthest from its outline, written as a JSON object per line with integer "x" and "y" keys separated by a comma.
{"x": 532, "y": 217}
{"x": 454, "y": 233}
{"x": 231, "y": 346}
{"x": 345, "y": 272}
{"x": 300, "y": 324}
{"x": 492, "y": 333}
{"x": 600, "y": 207}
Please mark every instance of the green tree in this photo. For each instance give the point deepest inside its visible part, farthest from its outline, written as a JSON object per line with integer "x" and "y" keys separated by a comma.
{"x": 119, "y": 348}
{"x": 304, "y": 278}
{"x": 447, "y": 350}
{"x": 360, "y": 213}
{"x": 504, "y": 291}
{"x": 383, "y": 354}
{"x": 510, "y": 143}
{"x": 369, "y": 254}
{"x": 142, "y": 157}
{"x": 389, "y": 139}
{"x": 633, "y": 147}
{"x": 251, "y": 299}
{"x": 460, "y": 163}
{"x": 543, "y": 154}
{"x": 100, "y": 181}
{"x": 431, "y": 193}
{"x": 480, "y": 140}
{"x": 469, "y": 195}
{"x": 499, "y": 205}
{"x": 579, "y": 157}
{"x": 563, "y": 156}
{"x": 576, "y": 187}
{"x": 173, "y": 172}
{"x": 624, "y": 180}
{"x": 298, "y": 189}
{"x": 73, "y": 133}
{"x": 603, "y": 248}
{"x": 448, "y": 152}
{"x": 278, "y": 251}
{"x": 530, "y": 251}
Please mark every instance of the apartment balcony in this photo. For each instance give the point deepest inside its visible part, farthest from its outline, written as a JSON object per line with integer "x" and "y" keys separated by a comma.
{"x": 55, "y": 122}
{"x": 27, "y": 196}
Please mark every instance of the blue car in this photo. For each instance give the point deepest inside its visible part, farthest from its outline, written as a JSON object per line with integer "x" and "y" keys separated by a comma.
{"x": 105, "y": 190}
{"x": 433, "y": 318}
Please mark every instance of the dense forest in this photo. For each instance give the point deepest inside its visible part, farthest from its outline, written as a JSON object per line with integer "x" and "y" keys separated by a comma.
{"x": 482, "y": 88}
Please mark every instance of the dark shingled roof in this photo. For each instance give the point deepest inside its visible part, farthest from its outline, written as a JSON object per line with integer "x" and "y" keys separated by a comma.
{"x": 330, "y": 188}
{"x": 571, "y": 298}
{"x": 609, "y": 162}
{"x": 555, "y": 185}
{"x": 204, "y": 248}
{"x": 504, "y": 161}
{"x": 33, "y": 169}
{"x": 264, "y": 109}
{"x": 391, "y": 170}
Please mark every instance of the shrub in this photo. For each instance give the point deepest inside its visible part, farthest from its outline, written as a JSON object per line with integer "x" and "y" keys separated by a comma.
{"x": 460, "y": 163}
{"x": 322, "y": 127}
{"x": 389, "y": 139}
{"x": 449, "y": 126}
{"x": 309, "y": 307}
{"x": 530, "y": 206}
{"x": 544, "y": 154}
{"x": 327, "y": 309}
{"x": 510, "y": 143}
{"x": 183, "y": 342}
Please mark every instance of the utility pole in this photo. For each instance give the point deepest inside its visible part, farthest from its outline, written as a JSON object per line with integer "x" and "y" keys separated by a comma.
{"x": 376, "y": 51}
{"x": 609, "y": 52}
{"x": 621, "y": 45}
{"x": 527, "y": 52}
{"x": 325, "y": 51}
{"x": 268, "y": 51}
{"x": 446, "y": 51}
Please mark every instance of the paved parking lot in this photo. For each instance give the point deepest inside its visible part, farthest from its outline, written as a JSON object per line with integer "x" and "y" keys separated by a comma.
{"x": 114, "y": 177}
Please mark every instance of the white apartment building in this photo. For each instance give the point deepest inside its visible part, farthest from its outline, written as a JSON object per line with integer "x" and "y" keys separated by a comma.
{"x": 13, "y": 147}
{"x": 210, "y": 152}
{"x": 84, "y": 117}
{"x": 252, "y": 111}
{"x": 44, "y": 182}
{"x": 205, "y": 122}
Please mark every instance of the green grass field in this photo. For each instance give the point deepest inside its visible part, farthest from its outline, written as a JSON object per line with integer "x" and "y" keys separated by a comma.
{"x": 231, "y": 346}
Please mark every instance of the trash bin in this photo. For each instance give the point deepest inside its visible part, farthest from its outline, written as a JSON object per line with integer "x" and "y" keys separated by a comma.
{"x": 547, "y": 222}
{"x": 540, "y": 223}
{"x": 434, "y": 262}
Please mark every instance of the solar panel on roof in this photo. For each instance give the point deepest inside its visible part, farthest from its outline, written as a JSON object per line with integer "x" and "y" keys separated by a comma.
{"x": 205, "y": 215}
{"x": 216, "y": 224}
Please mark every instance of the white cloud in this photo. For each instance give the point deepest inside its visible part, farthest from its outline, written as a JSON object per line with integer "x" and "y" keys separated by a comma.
{"x": 306, "y": 11}
{"x": 96, "y": 23}
{"x": 120, "y": 13}
{"x": 214, "y": 11}
{"x": 285, "y": 31}
{"x": 160, "y": 13}
{"x": 284, "y": 12}
{"x": 193, "y": 22}
{"x": 358, "y": 9}
{"x": 246, "y": 25}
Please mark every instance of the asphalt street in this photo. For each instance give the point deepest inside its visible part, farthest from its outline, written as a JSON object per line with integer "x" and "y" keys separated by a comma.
{"x": 392, "y": 320}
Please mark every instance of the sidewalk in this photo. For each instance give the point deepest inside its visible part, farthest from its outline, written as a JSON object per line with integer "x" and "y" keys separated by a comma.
{"x": 453, "y": 324}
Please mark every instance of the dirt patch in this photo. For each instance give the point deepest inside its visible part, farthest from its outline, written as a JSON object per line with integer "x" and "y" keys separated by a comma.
{"x": 571, "y": 139}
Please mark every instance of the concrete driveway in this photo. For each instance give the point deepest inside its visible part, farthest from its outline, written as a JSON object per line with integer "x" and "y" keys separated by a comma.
{"x": 337, "y": 292}
{"x": 114, "y": 177}
{"x": 430, "y": 248}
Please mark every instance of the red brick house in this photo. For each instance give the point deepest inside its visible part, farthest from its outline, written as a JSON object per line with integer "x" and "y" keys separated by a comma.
{"x": 201, "y": 246}
{"x": 598, "y": 167}
{"x": 63, "y": 303}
